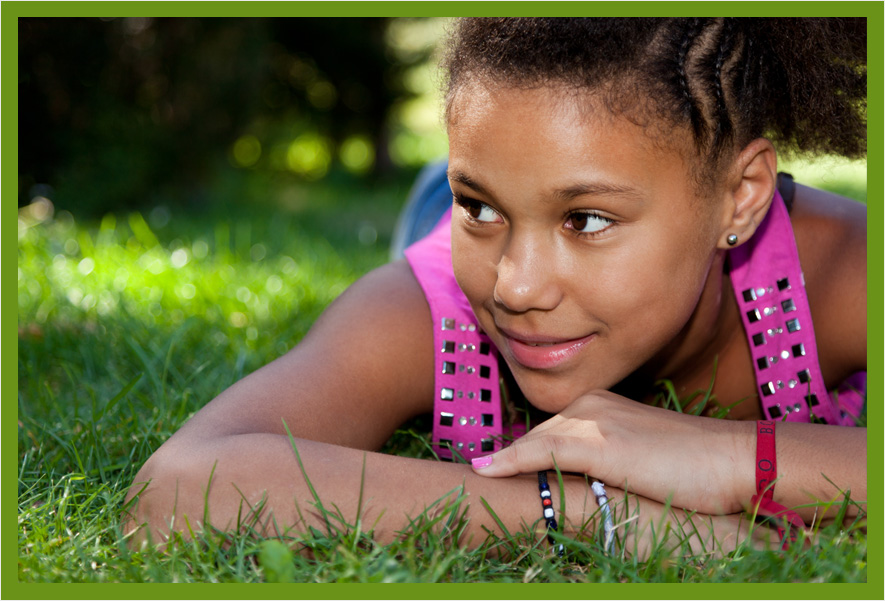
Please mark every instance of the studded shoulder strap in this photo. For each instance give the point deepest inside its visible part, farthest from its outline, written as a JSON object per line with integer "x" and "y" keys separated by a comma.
{"x": 467, "y": 397}
{"x": 770, "y": 291}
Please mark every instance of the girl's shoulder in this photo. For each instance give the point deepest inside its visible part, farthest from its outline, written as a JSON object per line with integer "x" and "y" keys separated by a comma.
{"x": 831, "y": 237}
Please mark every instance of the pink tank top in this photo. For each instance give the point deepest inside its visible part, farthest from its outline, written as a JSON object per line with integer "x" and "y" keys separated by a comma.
{"x": 770, "y": 290}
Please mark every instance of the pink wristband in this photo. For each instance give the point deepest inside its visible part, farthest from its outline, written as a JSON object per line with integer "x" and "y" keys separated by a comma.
{"x": 766, "y": 474}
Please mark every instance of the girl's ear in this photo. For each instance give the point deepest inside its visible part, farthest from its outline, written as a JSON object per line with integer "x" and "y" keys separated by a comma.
{"x": 751, "y": 184}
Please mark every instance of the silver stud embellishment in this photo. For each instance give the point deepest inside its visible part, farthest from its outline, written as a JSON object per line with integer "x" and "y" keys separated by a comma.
{"x": 447, "y": 394}
{"x": 448, "y": 323}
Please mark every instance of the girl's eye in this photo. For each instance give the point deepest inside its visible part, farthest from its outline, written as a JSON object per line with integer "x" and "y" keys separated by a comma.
{"x": 478, "y": 211}
{"x": 588, "y": 223}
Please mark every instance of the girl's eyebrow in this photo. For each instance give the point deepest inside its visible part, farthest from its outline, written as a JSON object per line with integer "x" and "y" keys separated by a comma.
{"x": 463, "y": 178}
{"x": 563, "y": 194}
{"x": 596, "y": 189}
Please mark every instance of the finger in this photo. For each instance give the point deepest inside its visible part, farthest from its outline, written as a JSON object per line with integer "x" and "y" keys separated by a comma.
{"x": 531, "y": 454}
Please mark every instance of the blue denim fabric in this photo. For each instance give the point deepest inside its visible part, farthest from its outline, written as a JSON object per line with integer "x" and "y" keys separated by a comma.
{"x": 429, "y": 199}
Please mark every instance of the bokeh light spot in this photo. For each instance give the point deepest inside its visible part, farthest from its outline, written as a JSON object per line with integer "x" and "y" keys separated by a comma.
{"x": 274, "y": 284}
{"x": 322, "y": 95}
{"x": 187, "y": 291}
{"x": 179, "y": 258}
{"x": 200, "y": 249}
{"x": 238, "y": 320}
{"x": 86, "y": 266}
{"x": 246, "y": 151}
{"x": 309, "y": 155}
{"x": 357, "y": 154}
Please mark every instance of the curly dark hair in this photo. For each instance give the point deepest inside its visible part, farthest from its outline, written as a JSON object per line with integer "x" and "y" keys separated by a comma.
{"x": 799, "y": 82}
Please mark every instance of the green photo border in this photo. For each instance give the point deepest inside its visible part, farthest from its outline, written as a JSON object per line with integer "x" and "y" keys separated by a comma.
{"x": 10, "y": 12}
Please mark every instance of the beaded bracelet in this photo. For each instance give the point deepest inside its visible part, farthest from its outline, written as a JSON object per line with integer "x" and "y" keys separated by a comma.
{"x": 547, "y": 506}
{"x": 608, "y": 527}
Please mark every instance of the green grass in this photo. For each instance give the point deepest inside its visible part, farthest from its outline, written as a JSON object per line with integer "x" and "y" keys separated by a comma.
{"x": 129, "y": 324}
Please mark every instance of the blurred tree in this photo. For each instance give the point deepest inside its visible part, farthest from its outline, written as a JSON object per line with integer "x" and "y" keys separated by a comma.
{"x": 116, "y": 112}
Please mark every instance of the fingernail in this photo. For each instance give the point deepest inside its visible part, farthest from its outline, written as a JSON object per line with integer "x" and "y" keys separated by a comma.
{"x": 481, "y": 462}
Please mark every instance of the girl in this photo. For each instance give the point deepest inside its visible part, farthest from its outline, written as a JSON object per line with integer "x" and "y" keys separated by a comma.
{"x": 617, "y": 221}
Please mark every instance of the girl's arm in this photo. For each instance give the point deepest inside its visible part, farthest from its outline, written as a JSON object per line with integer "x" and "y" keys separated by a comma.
{"x": 256, "y": 482}
{"x": 698, "y": 463}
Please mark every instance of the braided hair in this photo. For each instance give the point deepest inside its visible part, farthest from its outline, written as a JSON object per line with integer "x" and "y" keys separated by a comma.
{"x": 800, "y": 82}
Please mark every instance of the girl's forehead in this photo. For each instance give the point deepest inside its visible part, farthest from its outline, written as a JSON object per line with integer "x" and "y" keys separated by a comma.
{"x": 551, "y": 115}
{"x": 560, "y": 119}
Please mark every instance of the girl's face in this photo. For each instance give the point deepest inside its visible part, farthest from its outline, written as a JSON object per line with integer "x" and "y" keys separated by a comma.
{"x": 580, "y": 243}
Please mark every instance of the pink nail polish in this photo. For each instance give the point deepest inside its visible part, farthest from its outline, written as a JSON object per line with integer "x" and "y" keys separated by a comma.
{"x": 481, "y": 462}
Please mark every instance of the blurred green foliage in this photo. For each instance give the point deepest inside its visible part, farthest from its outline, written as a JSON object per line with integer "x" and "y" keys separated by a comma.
{"x": 132, "y": 112}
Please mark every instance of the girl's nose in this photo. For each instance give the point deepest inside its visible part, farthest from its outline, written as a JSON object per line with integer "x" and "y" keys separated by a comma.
{"x": 527, "y": 277}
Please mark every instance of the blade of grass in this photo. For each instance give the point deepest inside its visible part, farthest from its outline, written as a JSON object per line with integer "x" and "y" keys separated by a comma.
{"x": 313, "y": 492}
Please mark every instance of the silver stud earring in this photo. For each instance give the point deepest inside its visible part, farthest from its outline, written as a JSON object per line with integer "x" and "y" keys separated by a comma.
{"x": 732, "y": 239}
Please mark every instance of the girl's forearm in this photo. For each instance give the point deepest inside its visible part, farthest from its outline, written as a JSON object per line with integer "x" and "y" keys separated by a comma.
{"x": 255, "y": 481}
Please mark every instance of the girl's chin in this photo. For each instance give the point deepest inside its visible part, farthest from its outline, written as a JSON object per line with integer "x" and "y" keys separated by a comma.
{"x": 553, "y": 393}
{"x": 548, "y": 399}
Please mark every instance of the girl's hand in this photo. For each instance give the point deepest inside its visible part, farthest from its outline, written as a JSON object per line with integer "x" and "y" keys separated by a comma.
{"x": 696, "y": 463}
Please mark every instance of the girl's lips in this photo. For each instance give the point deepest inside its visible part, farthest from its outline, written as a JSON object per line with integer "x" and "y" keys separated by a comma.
{"x": 538, "y": 353}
